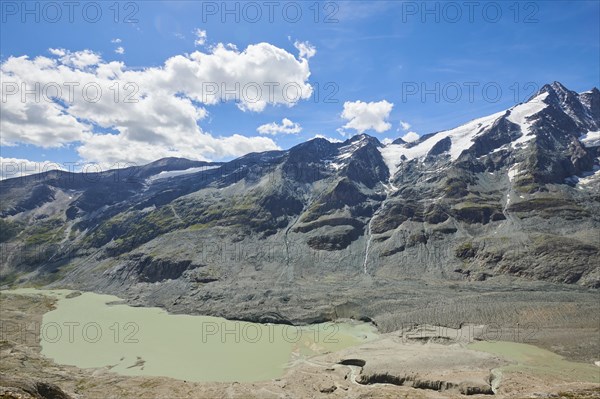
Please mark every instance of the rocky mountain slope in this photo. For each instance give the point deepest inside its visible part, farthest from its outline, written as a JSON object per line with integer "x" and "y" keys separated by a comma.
{"x": 327, "y": 229}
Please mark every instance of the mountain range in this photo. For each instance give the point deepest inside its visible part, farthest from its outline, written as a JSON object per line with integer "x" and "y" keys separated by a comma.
{"x": 508, "y": 202}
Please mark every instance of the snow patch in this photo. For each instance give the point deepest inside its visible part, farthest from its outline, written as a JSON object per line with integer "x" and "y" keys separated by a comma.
{"x": 586, "y": 179}
{"x": 389, "y": 188}
{"x": 173, "y": 173}
{"x": 461, "y": 137}
{"x": 495, "y": 150}
{"x": 593, "y": 178}
{"x": 347, "y": 151}
{"x": 345, "y": 155}
{"x": 589, "y": 180}
{"x": 514, "y": 172}
{"x": 590, "y": 139}
{"x": 520, "y": 115}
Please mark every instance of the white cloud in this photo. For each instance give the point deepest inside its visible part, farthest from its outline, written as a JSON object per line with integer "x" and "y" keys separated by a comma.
{"x": 108, "y": 149}
{"x": 286, "y": 127}
{"x": 258, "y": 74}
{"x": 18, "y": 167}
{"x": 410, "y": 137}
{"x": 179, "y": 35}
{"x": 120, "y": 50}
{"x": 57, "y": 51}
{"x": 364, "y": 116}
{"x": 200, "y": 37}
{"x": 156, "y": 111}
{"x": 34, "y": 121}
{"x": 80, "y": 59}
{"x": 330, "y": 139}
{"x": 117, "y": 40}
{"x": 306, "y": 49}
{"x": 387, "y": 141}
{"x": 405, "y": 125}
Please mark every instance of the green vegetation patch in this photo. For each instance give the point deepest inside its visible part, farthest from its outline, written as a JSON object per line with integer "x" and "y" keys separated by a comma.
{"x": 466, "y": 250}
{"x": 9, "y": 230}
{"x": 47, "y": 231}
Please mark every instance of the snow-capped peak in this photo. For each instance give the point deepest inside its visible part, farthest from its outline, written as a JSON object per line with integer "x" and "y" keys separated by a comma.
{"x": 462, "y": 137}
{"x": 555, "y": 88}
{"x": 353, "y": 144}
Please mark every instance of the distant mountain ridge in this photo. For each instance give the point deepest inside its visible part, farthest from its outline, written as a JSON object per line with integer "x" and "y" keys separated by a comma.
{"x": 512, "y": 195}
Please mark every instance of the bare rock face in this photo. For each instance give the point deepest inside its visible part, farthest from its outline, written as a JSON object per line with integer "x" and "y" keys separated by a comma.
{"x": 432, "y": 365}
{"x": 20, "y": 388}
{"x": 417, "y": 382}
{"x": 508, "y": 200}
{"x": 327, "y": 389}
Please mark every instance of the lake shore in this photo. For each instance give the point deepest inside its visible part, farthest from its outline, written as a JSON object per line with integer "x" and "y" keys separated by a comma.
{"x": 317, "y": 376}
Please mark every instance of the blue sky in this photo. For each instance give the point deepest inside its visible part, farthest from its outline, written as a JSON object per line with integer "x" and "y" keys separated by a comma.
{"x": 368, "y": 52}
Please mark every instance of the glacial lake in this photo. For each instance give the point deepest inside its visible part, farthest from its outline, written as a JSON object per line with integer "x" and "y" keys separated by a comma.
{"x": 534, "y": 360}
{"x": 88, "y": 332}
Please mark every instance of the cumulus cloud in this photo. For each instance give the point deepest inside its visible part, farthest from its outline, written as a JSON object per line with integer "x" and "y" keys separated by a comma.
{"x": 200, "y": 37}
{"x": 77, "y": 59}
{"x": 108, "y": 149}
{"x": 341, "y": 132}
{"x": 120, "y": 50}
{"x": 405, "y": 125}
{"x": 117, "y": 40}
{"x": 363, "y": 116}
{"x": 305, "y": 49}
{"x": 410, "y": 137}
{"x": 57, "y": 51}
{"x": 286, "y": 127}
{"x": 154, "y": 110}
{"x": 261, "y": 74}
{"x": 28, "y": 119}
